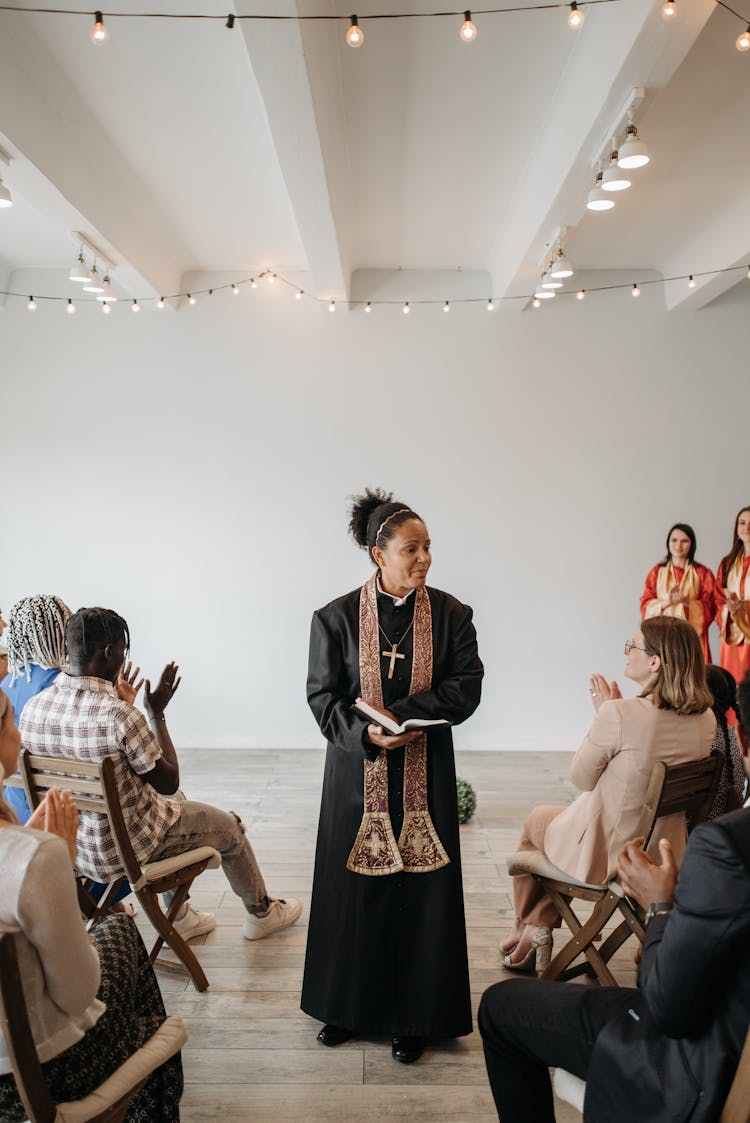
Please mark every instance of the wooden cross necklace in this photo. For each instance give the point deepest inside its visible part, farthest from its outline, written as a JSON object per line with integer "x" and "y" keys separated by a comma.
{"x": 394, "y": 653}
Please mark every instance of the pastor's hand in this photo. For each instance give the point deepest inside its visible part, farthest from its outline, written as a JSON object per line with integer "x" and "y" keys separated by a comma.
{"x": 376, "y": 736}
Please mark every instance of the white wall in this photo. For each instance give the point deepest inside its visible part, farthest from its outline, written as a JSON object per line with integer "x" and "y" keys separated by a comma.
{"x": 190, "y": 470}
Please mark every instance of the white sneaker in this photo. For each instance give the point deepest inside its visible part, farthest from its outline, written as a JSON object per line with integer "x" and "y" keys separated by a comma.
{"x": 192, "y": 923}
{"x": 281, "y": 914}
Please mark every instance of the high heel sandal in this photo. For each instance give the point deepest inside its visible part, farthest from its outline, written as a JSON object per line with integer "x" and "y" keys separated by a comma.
{"x": 538, "y": 956}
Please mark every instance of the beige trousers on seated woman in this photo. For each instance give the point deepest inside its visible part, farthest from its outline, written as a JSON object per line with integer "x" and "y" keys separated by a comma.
{"x": 532, "y": 904}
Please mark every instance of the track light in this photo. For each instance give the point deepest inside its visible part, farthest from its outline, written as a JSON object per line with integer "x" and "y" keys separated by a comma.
{"x": 6, "y": 199}
{"x": 743, "y": 40}
{"x": 355, "y": 36}
{"x": 31, "y": 304}
{"x": 575, "y": 16}
{"x": 70, "y": 307}
{"x": 468, "y": 31}
{"x": 94, "y": 283}
{"x": 669, "y": 9}
{"x": 549, "y": 282}
{"x": 108, "y": 293}
{"x": 599, "y": 200}
{"x": 614, "y": 179}
{"x": 635, "y": 291}
{"x": 544, "y": 294}
{"x": 633, "y": 152}
{"x": 99, "y": 33}
{"x": 79, "y": 270}
{"x": 560, "y": 267}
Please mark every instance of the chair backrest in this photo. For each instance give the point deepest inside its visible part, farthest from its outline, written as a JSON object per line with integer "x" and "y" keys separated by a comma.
{"x": 680, "y": 787}
{"x": 19, "y": 1039}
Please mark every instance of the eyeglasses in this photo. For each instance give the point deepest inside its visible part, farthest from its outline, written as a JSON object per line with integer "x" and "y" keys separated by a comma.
{"x": 629, "y": 645}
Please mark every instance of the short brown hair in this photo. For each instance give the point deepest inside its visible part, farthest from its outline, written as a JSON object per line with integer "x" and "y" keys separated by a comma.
{"x": 680, "y": 683}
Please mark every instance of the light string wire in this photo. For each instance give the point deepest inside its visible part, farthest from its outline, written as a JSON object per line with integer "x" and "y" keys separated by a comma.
{"x": 363, "y": 302}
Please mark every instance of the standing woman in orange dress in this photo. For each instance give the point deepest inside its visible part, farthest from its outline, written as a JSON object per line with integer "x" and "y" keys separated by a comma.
{"x": 680, "y": 586}
{"x": 732, "y": 600}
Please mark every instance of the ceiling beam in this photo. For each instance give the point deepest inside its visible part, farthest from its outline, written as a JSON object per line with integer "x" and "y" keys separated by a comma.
{"x": 626, "y": 46}
{"x": 308, "y": 133}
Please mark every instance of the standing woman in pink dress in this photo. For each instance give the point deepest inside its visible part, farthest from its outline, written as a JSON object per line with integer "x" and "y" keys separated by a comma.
{"x": 680, "y": 586}
{"x": 733, "y": 600}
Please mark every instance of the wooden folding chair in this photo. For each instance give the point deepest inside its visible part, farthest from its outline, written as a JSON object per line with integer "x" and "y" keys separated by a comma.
{"x": 106, "y": 1104}
{"x": 93, "y": 788}
{"x": 685, "y": 788}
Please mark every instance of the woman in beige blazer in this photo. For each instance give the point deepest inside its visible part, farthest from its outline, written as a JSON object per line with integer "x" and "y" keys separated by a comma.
{"x": 671, "y": 720}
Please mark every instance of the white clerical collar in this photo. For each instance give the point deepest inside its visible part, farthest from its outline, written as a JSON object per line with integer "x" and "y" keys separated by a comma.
{"x": 397, "y": 601}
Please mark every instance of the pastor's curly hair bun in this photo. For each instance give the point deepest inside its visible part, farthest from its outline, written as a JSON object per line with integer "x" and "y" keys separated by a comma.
{"x": 369, "y": 513}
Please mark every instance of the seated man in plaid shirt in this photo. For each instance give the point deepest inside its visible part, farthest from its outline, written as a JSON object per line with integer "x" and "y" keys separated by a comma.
{"x": 81, "y": 716}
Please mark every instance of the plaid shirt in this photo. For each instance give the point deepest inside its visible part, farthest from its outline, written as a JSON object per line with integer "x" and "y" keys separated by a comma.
{"x": 84, "y": 718}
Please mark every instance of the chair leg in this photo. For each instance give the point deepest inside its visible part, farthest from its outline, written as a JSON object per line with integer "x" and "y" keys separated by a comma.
{"x": 581, "y": 941}
{"x": 167, "y": 934}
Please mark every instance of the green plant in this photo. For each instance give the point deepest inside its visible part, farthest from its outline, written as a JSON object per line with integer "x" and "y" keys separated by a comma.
{"x": 467, "y": 800}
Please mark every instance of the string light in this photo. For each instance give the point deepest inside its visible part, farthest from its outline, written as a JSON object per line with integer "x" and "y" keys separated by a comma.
{"x": 230, "y": 21}
{"x": 253, "y": 283}
{"x": 468, "y": 31}
{"x": 99, "y": 33}
{"x": 743, "y": 40}
{"x": 355, "y": 36}
{"x": 106, "y": 309}
{"x": 669, "y": 9}
{"x": 490, "y": 305}
{"x": 160, "y": 302}
{"x": 368, "y": 306}
{"x": 635, "y": 291}
{"x": 575, "y": 16}
{"x": 691, "y": 281}
{"x": 299, "y": 294}
{"x": 31, "y": 305}
{"x": 581, "y": 294}
{"x": 536, "y": 302}
{"x": 191, "y": 298}
{"x": 406, "y": 309}
{"x": 70, "y": 307}
{"x": 136, "y": 306}
{"x": 447, "y": 306}
{"x": 236, "y": 289}
{"x": 332, "y": 306}
{"x": 270, "y": 277}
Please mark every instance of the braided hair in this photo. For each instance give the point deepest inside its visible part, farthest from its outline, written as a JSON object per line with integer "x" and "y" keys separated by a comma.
{"x": 36, "y": 634}
{"x": 724, "y": 689}
{"x": 375, "y": 516}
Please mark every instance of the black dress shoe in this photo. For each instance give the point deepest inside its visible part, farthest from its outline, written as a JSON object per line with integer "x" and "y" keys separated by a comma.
{"x": 407, "y": 1049}
{"x": 333, "y": 1035}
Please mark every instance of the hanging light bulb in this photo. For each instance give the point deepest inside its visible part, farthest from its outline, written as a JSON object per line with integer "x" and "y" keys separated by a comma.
{"x": 332, "y": 306}
{"x": 581, "y": 294}
{"x": 368, "y": 307}
{"x": 355, "y": 36}
{"x": 236, "y": 290}
{"x": 6, "y": 199}
{"x": 614, "y": 179}
{"x": 94, "y": 283}
{"x": 136, "y": 306}
{"x": 468, "y": 31}
{"x": 743, "y": 40}
{"x": 635, "y": 291}
{"x": 253, "y": 283}
{"x": 160, "y": 302}
{"x": 633, "y": 152}
{"x": 299, "y": 294}
{"x": 79, "y": 270}
{"x": 406, "y": 309}
{"x": 270, "y": 277}
{"x": 31, "y": 304}
{"x": 536, "y": 302}
{"x": 99, "y": 33}
{"x": 106, "y": 309}
{"x": 669, "y": 9}
{"x": 107, "y": 293}
{"x": 191, "y": 299}
{"x": 599, "y": 200}
{"x": 575, "y": 16}
{"x": 490, "y": 305}
{"x": 70, "y": 307}
{"x": 447, "y": 306}
{"x": 691, "y": 281}
{"x": 560, "y": 267}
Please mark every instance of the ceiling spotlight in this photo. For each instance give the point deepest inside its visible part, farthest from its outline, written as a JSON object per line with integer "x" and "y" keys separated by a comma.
{"x": 560, "y": 267}
{"x": 599, "y": 200}
{"x": 468, "y": 31}
{"x": 6, "y": 199}
{"x": 406, "y": 309}
{"x": 581, "y": 294}
{"x": 160, "y": 302}
{"x": 743, "y": 40}
{"x": 94, "y": 283}
{"x": 31, "y": 304}
{"x": 106, "y": 308}
{"x": 136, "y": 306}
{"x": 633, "y": 153}
{"x": 691, "y": 281}
{"x": 669, "y": 9}
{"x": 368, "y": 307}
{"x": 236, "y": 290}
{"x": 108, "y": 293}
{"x": 355, "y": 36}
{"x": 614, "y": 179}
{"x": 635, "y": 291}
{"x": 99, "y": 33}
{"x": 332, "y": 306}
{"x": 79, "y": 270}
{"x": 575, "y": 16}
{"x": 549, "y": 282}
{"x": 536, "y": 302}
{"x": 70, "y": 307}
{"x": 447, "y": 306}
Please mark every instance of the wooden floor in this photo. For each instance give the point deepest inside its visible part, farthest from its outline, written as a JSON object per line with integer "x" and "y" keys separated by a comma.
{"x": 252, "y": 1053}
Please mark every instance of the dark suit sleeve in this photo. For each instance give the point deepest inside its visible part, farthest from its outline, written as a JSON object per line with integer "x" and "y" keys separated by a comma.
{"x": 457, "y": 695}
{"x": 327, "y": 688}
{"x": 690, "y": 952}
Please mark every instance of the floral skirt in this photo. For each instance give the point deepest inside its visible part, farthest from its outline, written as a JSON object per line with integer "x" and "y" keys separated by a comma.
{"x": 134, "y": 1012}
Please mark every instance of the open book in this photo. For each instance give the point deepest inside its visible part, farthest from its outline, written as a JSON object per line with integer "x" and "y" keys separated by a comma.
{"x": 392, "y": 726}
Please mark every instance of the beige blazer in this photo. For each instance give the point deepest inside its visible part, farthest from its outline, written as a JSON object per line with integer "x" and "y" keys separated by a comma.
{"x": 613, "y": 767}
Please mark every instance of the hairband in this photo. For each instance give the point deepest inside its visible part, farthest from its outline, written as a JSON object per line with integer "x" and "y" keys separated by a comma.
{"x": 403, "y": 511}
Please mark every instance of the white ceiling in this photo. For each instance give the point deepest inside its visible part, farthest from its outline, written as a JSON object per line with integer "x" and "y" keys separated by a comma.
{"x": 181, "y": 146}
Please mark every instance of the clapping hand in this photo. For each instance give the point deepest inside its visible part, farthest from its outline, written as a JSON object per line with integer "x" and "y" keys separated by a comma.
{"x": 644, "y": 879}
{"x": 602, "y": 691}
{"x": 126, "y": 686}
{"x": 733, "y": 603}
{"x": 156, "y": 701}
{"x": 58, "y": 814}
{"x": 676, "y": 597}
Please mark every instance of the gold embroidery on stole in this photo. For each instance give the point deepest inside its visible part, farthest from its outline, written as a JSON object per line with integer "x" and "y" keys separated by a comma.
{"x": 666, "y": 579}
{"x": 730, "y": 633}
{"x": 419, "y": 850}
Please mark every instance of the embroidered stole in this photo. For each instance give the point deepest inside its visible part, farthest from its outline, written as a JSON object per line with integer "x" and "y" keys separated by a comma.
{"x": 419, "y": 850}
{"x": 733, "y": 583}
{"x": 690, "y": 586}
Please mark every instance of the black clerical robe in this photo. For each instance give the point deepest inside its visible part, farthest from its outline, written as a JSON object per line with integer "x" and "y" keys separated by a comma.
{"x": 387, "y": 954}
